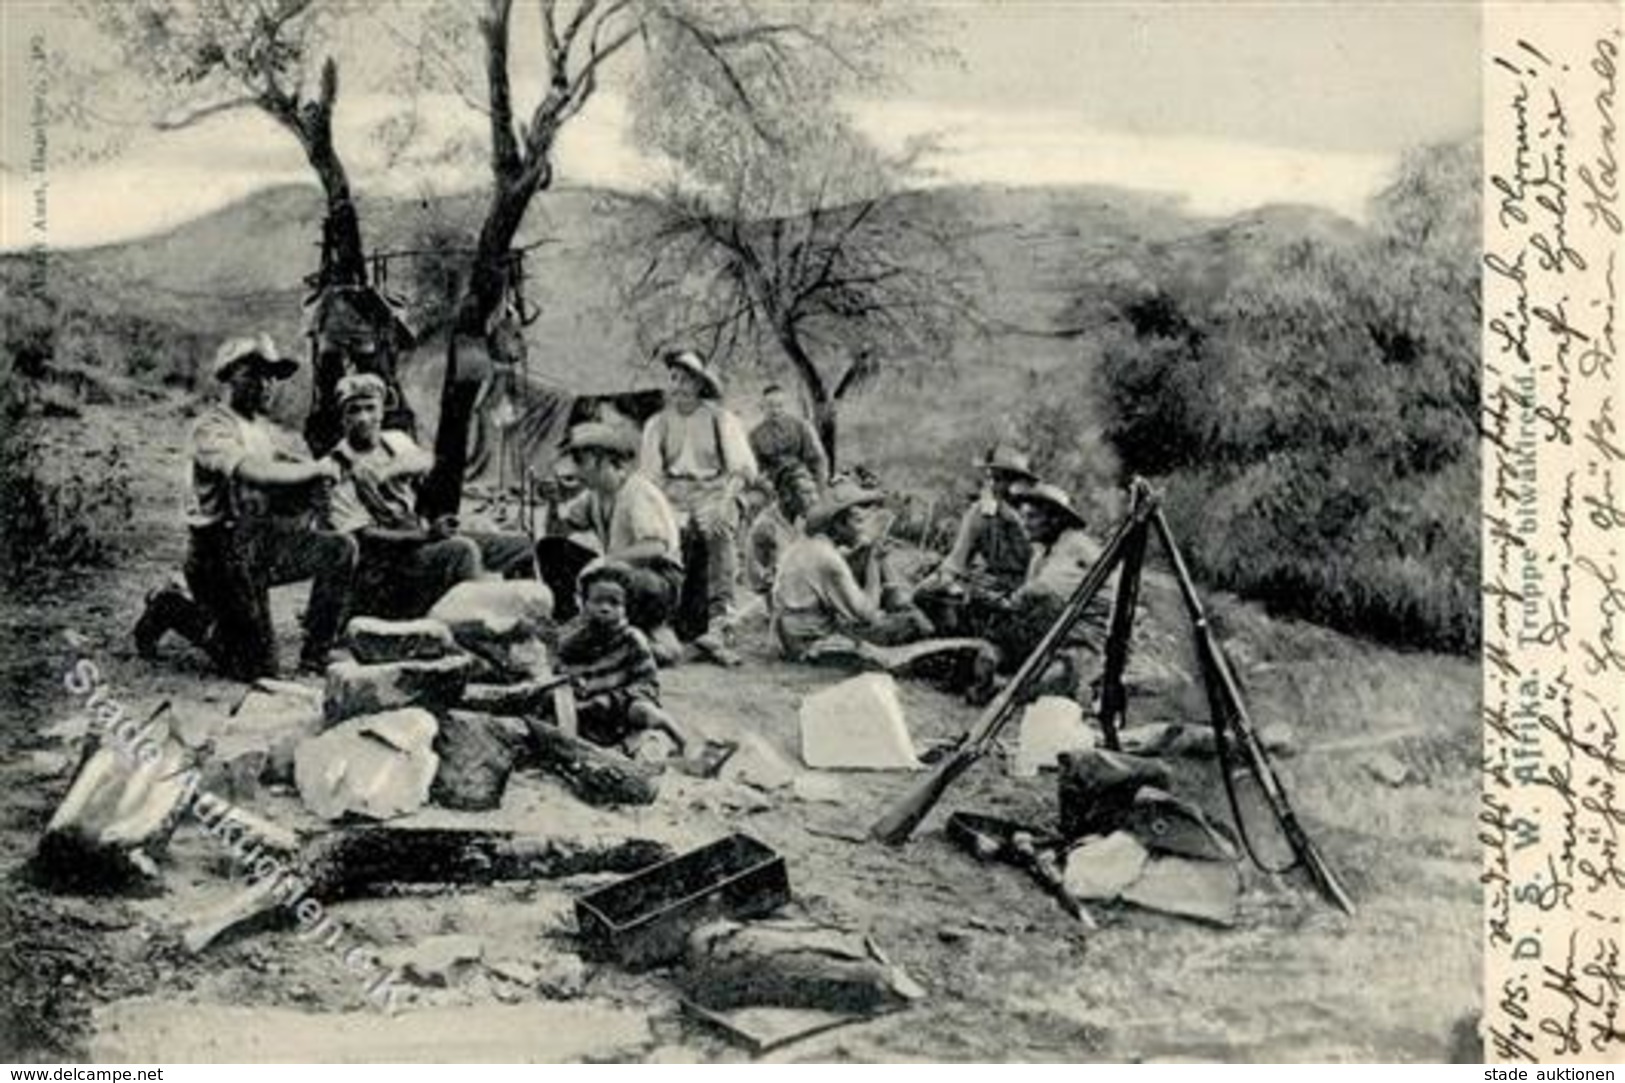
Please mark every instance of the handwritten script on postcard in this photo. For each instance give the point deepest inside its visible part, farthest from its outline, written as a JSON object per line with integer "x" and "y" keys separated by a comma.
{"x": 1552, "y": 811}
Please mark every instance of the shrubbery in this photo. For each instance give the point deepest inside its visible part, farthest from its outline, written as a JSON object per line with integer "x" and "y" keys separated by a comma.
{"x": 1314, "y": 414}
{"x": 52, "y": 515}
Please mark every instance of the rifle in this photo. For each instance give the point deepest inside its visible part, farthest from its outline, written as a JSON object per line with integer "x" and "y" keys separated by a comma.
{"x": 1231, "y": 726}
{"x": 899, "y": 822}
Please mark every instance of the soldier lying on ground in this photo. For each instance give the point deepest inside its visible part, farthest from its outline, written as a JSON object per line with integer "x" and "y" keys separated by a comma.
{"x": 405, "y": 565}
{"x": 249, "y": 515}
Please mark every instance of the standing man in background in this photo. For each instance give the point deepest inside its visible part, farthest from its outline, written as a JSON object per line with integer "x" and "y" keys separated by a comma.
{"x": 697, "y": 452}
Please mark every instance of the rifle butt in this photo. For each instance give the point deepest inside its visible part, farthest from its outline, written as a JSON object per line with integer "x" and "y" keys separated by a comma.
{"x": 898, "y": 824}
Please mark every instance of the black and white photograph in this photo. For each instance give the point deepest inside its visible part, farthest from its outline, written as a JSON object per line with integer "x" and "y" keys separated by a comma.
{"x": 728, "y": 531}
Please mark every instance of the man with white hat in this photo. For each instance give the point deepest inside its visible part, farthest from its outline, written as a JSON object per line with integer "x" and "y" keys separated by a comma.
{"x": 249, "y": 506}
{"x": 697, "y": 450}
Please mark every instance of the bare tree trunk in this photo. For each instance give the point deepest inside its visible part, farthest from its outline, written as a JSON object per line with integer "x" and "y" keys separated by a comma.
{"x": 824, "y": 405}
{"x": 487, "y": 281}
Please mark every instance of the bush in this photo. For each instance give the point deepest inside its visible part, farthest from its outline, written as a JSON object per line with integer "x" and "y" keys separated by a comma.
{"x": 56, "y": 518}
{"x": 51, "y": 514}
{"x": 1314, "y": 415}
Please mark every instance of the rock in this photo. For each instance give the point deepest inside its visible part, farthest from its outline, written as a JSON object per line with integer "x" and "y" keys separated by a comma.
{"x": 356, "y": 689}
{"x": 815, "y": 788}
{"x": 130, "y": 792}
{"x": 379, "y": 765}
{"x": 528, "y": 697}
{"x": 505, "y": 622}
{"x": 438, "y": 960}
{"x": 373, "y": 640}
{"x": 561, "y": 976}
{"x": 792, "y": 964}
{"x": 650, "y": 746}
{"x": 759, "y": 764}
{"x": 1101, "y": 869}
{"x": 47, "y": 763}
{"x": 477, "y": 754}
{"x": 238, "y": 777}
{"x": 1386, "y": 768}
{"x": 1049, "y": 726}
{"x": 1207, "y": 891}
{"x": 857, "y": 724}
{"x": 516, "y": 971}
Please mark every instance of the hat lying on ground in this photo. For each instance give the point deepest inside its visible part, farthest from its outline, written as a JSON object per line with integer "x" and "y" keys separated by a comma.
{"x": 1007, "y": 459}
{"x": 1052, "y": 497}
{"x": 362, "y": 385}
{"x": 691, "y": 362}
{"x": 842, "y": 495}
{"x": 599, "y": 435}
{"x": 256, "y": 348}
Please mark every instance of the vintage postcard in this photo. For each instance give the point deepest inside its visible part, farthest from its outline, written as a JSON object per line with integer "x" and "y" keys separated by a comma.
{"x": 766, "y": 530}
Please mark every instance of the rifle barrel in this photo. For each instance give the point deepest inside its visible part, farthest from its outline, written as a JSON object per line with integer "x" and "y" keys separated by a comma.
{"x": 1229, "y": 707}
{"x": 899, "y": 821}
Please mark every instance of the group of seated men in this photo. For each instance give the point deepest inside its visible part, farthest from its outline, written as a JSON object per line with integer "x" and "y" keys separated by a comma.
{"x": 660, "y": 508}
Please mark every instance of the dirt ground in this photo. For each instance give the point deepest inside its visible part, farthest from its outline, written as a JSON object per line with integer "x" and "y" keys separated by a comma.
{"x": 1383, "y": 773}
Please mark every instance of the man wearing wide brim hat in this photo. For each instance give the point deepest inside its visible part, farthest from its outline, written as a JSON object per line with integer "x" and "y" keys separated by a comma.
{"x": 697, "y": 452}
{"x": 991, "y": 550}
{"x": 1063, "y": 553}
{"x": 815, "y": 593}
{"x": 633, "y": 526}
{"x": 245, "y": 473}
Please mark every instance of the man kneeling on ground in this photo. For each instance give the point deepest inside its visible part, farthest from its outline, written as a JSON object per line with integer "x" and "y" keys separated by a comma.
{"x": 250, "y": 518}
{"x": 616, "y": 679}
{"x": 816, "y": 595}
{"x": 405, "y": 565}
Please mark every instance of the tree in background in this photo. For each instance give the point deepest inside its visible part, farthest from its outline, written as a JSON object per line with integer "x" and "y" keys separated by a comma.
{"x": 743, "y": 63}
{"x": 192, "y": 60}
{"x": 806, "y": 248}
{"x": 1315, "y": 411}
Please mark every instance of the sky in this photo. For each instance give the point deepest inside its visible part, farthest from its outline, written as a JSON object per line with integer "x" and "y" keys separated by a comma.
{"x": 1229, "y": 104}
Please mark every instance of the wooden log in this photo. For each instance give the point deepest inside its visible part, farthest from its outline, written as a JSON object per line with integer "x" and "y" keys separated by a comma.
{"x": 357, "y": 862}
{"x": 597, "y": 776}
{"x": 523, "y": 698}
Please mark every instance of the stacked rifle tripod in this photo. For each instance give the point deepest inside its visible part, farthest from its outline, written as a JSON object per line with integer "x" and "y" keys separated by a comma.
{"x": 1240, "y": 750}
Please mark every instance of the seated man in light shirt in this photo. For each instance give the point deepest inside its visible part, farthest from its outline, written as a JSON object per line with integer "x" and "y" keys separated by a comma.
{"x": 697, "y": 452}
{"x": 816, "y": 594}
{"x": 632, "y": 525}
{"x": 1062, "y": 555}
{"x": 405, "y": 565}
